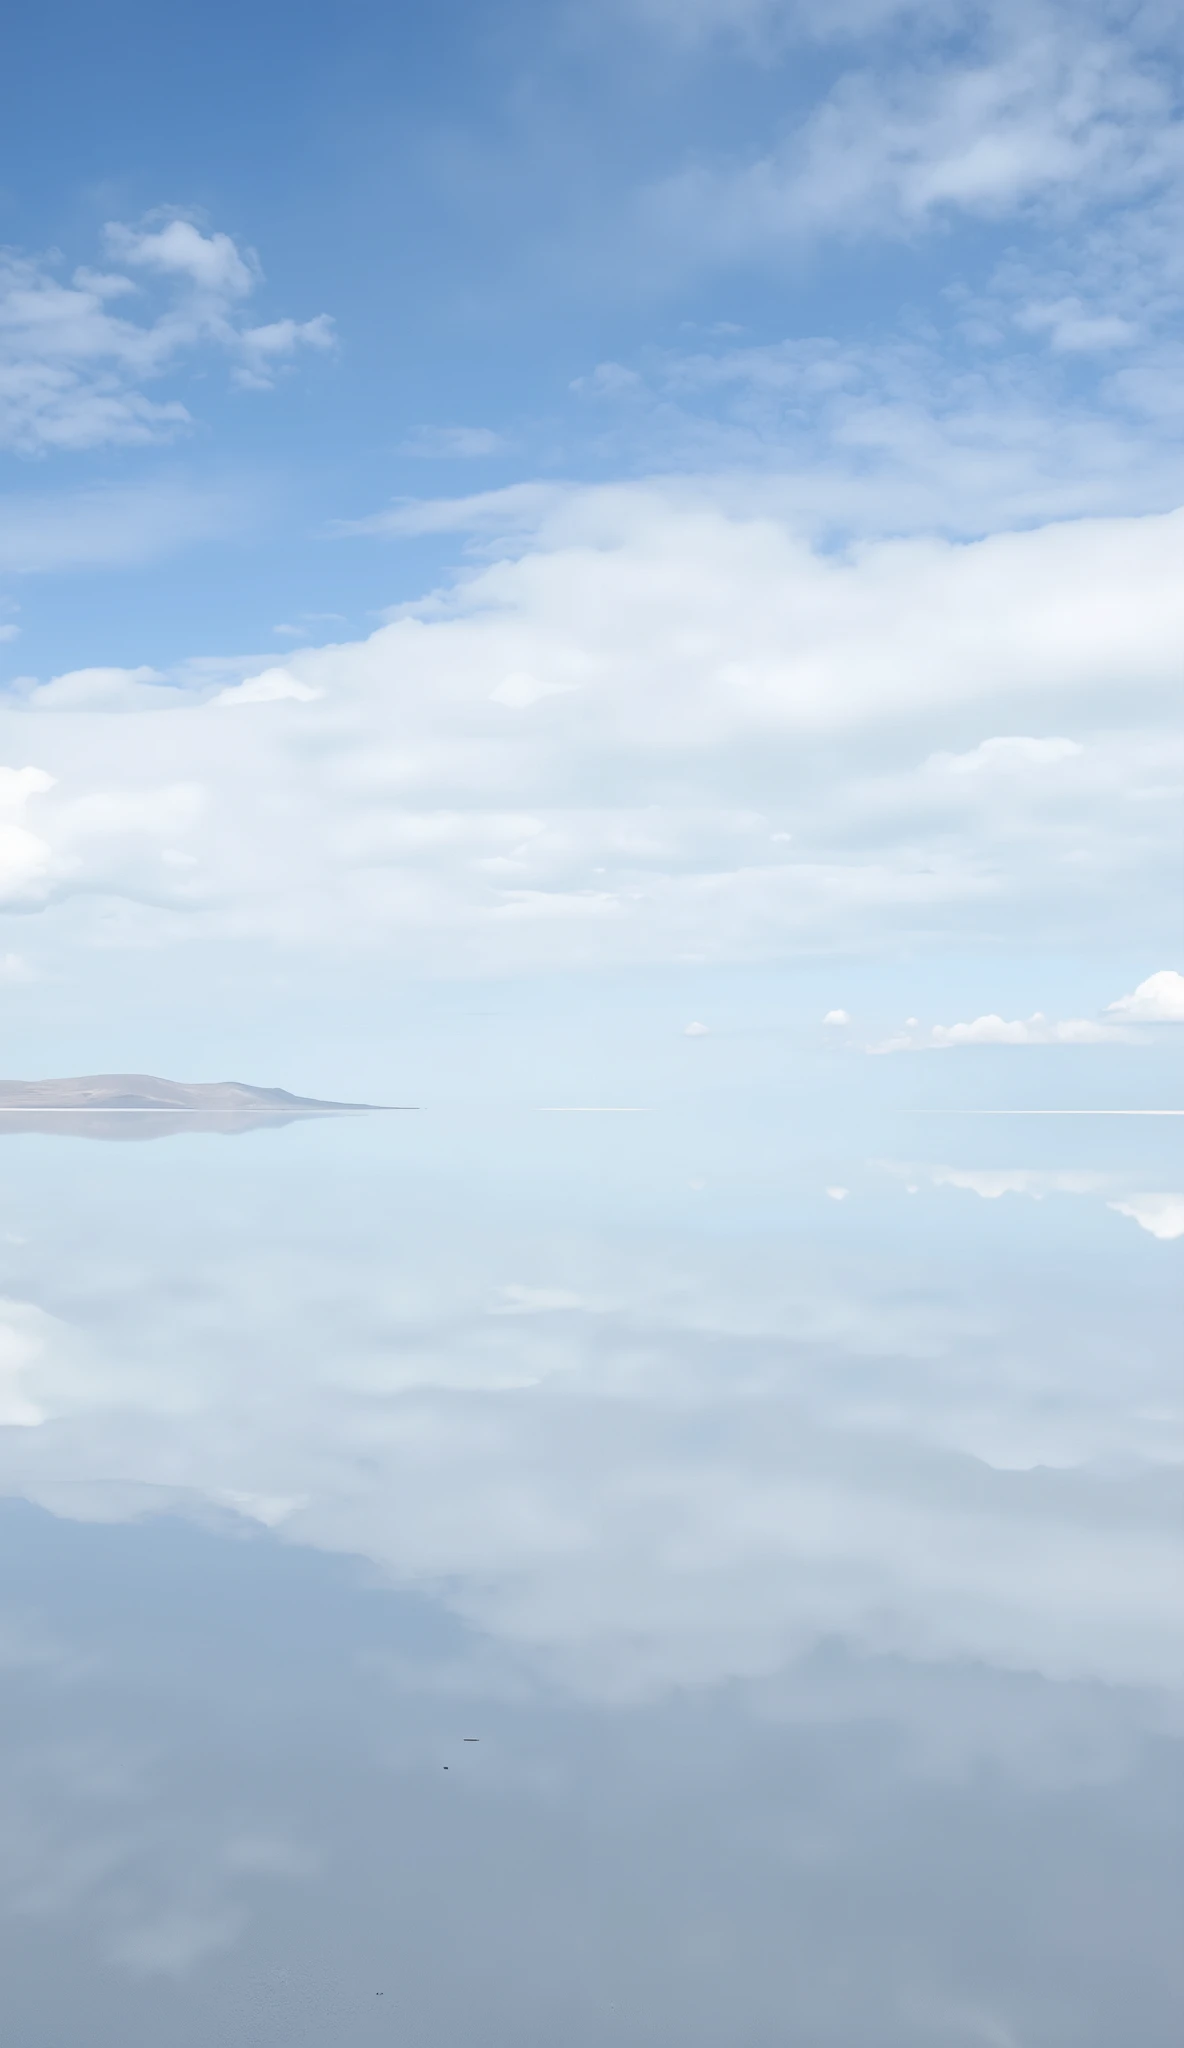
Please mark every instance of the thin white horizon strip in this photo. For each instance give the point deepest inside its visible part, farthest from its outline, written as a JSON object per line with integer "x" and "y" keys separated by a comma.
{"x": 1060, "y": 1112}
{"x": 591, "y": 1109}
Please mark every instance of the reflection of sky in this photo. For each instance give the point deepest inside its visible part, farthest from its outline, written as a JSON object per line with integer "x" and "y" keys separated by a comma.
{"x": 806, "y": 1567}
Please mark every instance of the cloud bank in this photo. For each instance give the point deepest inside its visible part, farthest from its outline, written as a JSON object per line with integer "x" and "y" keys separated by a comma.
{"x": 649, "y": 728}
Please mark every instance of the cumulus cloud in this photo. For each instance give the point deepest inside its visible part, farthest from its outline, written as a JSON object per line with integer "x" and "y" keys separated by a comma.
{"x": 1034, "y": 1030}
{"x": 76, "y": 368}
{"x": 1156, "y": 1006}
{"x": 25, "y": 857}
{"x": 657, "y": 727}
{"x": 98, "y": 689}
{"x": 1158, "y": 1000}
{"x": 520, "y": 691}
{"x": 836, "y": 1017}
{"x": 212, "y": 264}
{"x": 273, "y": 686}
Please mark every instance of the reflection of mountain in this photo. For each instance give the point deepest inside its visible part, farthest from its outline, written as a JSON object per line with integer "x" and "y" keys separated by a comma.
{"x": 144, "y": 1123}
{"x": 143, "y": 1106}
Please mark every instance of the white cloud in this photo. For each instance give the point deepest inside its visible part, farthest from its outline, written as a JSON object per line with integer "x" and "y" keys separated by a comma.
{"x": 608, "y": 380}
{"x": 1007, "y": 756}
{"x": 1035, "y": 1182}
{"x": 960, "y": 427}
{"x": 1035, "y": 108}
{"x": 518, "y": 510}
{"x": 17, "y": 785}
{"x": 836, "y": 1017}
{"x": 74, "y": 369}
{"x": 272, "y": 687}
{"x": 1034, "y": 1030}
{"x": 515, "y": 1300}
{"x": 1158, "y": 1000}
{"x": 262, "y": 349}
{"x": 25, "y": 858}
{"x": 1071, "y": 327}
{"x": 212, "y": 263}
{"x": 1043, "y": 382}
{"x": 520, "y": 691}
{"x": 1159, "y": 1213}
{"x": 995, "y": 1030}
{"x": 99, "y": 689}
{"x": 696, "y": 1031}
{"x": 705, "y": 737}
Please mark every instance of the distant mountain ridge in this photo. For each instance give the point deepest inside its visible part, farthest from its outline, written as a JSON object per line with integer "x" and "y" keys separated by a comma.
{"x": 149, "y": 1092}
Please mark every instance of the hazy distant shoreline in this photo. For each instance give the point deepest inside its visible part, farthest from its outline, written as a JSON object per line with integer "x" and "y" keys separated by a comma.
{"x": 145, "y": 1106}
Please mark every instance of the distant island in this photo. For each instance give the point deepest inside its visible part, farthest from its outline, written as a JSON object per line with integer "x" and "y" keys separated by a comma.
{"x": 143, "y": 1106}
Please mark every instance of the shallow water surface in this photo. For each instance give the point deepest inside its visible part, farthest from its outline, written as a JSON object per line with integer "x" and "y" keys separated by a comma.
{"x": 708, "y": 1576}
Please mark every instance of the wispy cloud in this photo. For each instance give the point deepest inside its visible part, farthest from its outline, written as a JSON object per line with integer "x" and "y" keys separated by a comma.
{"x": 114, "y": 525}
{"x": 1054, "y": 105}
{"x": 454, "y": 444}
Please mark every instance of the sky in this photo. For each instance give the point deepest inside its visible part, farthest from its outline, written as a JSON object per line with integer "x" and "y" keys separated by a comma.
{"x": 611, "y": 519}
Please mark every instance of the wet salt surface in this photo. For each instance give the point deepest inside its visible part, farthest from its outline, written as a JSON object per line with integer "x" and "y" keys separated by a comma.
{"x": 790, "y": 1510}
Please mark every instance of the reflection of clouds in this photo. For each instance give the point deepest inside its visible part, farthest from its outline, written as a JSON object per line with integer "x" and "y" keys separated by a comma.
{"x": 644, "y": 1460}
{"x": 1161, "y": 1214}
{"x": 1158, "y": 1211}
{"x": 991, "y": 1182}
{"x": 25, "y": 1334}
{"x": 84, "y": 1844}
{"x": 516, "y": 1300}
{"x": 795, "y": 1837}
{"x": 169, "y": 1941}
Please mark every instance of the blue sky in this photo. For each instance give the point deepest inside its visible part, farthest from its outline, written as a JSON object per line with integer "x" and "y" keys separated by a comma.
{"x": 590, "y": 492}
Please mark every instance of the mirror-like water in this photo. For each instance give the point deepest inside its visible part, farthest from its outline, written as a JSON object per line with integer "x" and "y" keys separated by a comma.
{"x": 537, "y": 1579}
